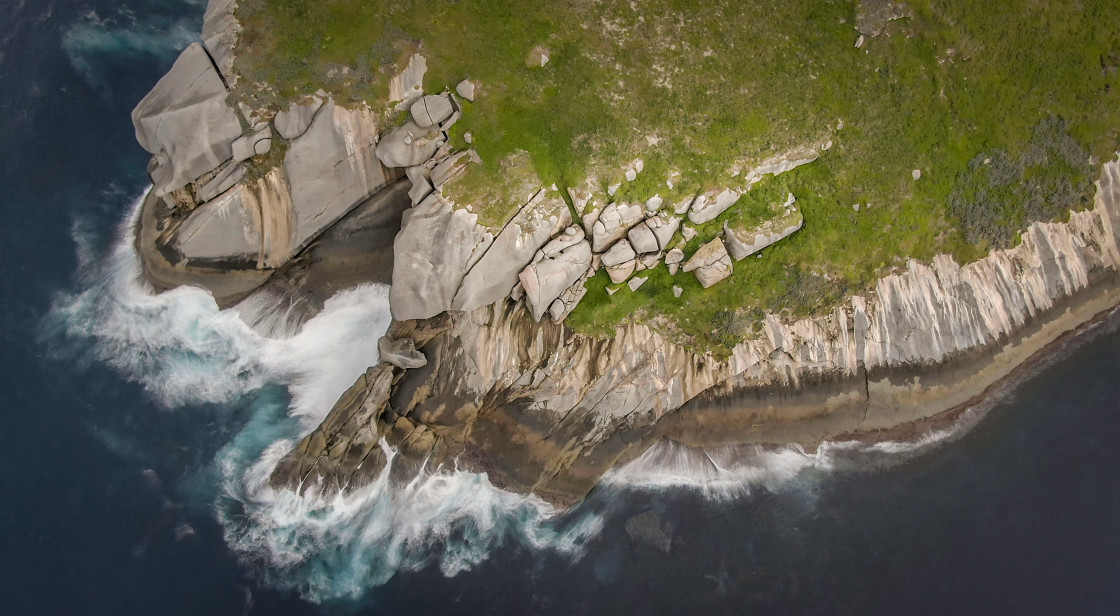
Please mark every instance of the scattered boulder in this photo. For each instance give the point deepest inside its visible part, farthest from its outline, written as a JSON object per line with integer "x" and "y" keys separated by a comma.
{"x": 654, "y": 203}
{"x": 687, "y": 233}
{"x": 916, "y": 174}
{"x": 613, "y": 223}
{"x": 649, "y": 261}
{"x": 781, "y": 163}
{"x": 431, "y": 110}
{"x": 185, "y": 122}
{"x": 465, "y": 90}
{"x": 642, "y": 239}
{"x": 419, "y": 176}
{"x": 743, "y": 242}
{"x": 677, "y": 291}
{"x": 636, "y": 282}
{"x": 546, "y": 278}
{"x": 401, "y": 353}
{"x": 681, "y": 208}
{"x": 295, "y": 121}
{"x": 247, "y": 146}
{"x": 711, "y": 204}
{"x": 711, "y": 263}
{"x": 497, "y": 272}
{"x": 620, "y": 261}
{"x": 663, "y": 229}
{"x": 408, "y": 145}
{"x": 675, "y": 255}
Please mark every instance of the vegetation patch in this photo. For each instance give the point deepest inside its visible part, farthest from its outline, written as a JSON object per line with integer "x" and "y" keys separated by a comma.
{"x": 698, "y": 90}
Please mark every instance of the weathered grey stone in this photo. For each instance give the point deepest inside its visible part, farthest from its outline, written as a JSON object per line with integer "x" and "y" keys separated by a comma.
{"x": 451, "y": 166}
{"x": 663, "y": 228}
{"x": 649, "y": 260}
{"x": 681, "y": 208}
{"x": 687, "y": 233}
{"x": 421, "y": 188}
{"x": 673, "y": 268}
{"x": 620, "y": 253}
{"x": 613, "y": 223}
{"x": 331, "y": 168}
{"x": 642, "y": 239}
{"x": 435, "y": 248}
{"x": 219, "y": 34}
{"x": 225, "y": 229}
{"x": 711, "y": 263}
{"x": 465, "y": 89}
{"x": 675, "y": 255}
{"x": 557, "y": 310}
{"x": 186, "y": 122}
{"x": 546, "y": 279}
{"x": 744, "y": 241}
{"x": 677, "y": 291}
{"x": 409, "y": 84}
{"x": 222, "y": 182}
{"x": 401, "y": 353}
{"x": 636, "y": 282}
{"x": 294, "y": 121}
{"x": 781, "y": 163}
{"x": 570, "y": 237}
{"x": 408, "y": 145}
{"x": 654, "y": 203}
{"x": 431, "y": 110}
{"x": 497, "y": 272}
{"x": 247, "y": 146}
{"x": 622, "y": 271}
{"x": 711, "y": 204}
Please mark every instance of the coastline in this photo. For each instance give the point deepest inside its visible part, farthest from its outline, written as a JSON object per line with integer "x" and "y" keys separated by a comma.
{"x": 895, "y": 404}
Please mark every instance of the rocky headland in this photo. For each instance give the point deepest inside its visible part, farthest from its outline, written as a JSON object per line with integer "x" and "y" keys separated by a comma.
{"x": 479, "y": 366}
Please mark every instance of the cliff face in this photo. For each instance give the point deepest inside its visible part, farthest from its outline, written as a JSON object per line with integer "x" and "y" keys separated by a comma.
{"x": 305, "y": 199}
{"x": 543, "y": 409}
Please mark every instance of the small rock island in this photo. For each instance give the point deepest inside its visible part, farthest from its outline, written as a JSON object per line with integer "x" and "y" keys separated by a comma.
{"x": 604, "y": 224}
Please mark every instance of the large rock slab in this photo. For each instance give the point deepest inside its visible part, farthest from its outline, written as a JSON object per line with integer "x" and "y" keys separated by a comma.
{"x": 409, "y": 145}
{"x": 331, "y": 168}
{"x": 613, "y": 223}
{"x": 435, "y": 248}
{"x": 249, "y": 224}
{"x": 496, "y": 273}
{"x": 547, "y": 278}
{"x": 400, "y": 352}
{"x": 185, "y": 122}
{"x": 431, "y": 110}
{"x": 711, "y": 263}
{"x": 296, "y": 119}
{"x": 642, "y": 239}
{"x": 220, "y": 30}
{"x": 743, "y": 241}
{"x": 711, "y": 204}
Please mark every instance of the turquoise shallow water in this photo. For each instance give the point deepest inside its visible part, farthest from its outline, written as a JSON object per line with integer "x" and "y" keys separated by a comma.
{"x": 138, "y": 429}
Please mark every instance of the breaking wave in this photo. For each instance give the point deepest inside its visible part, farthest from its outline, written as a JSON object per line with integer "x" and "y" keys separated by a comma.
{"x": 184, "y": 351}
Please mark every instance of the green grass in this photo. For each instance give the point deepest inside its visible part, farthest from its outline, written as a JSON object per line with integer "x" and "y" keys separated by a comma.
{"x": 727, "y": 82}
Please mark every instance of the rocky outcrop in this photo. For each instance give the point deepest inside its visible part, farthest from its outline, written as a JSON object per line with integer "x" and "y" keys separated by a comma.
{"x": 743, "y": 241}
{"x": 185, "y": 122}
{"x": 711, "y": 263}
{"x": 556, "y": 267}
{"x": 437, "y": 245}
{"x": 545, "y": 410}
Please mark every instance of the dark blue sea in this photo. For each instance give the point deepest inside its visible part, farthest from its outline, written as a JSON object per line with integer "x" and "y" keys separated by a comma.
{"x": 137, "y": 430}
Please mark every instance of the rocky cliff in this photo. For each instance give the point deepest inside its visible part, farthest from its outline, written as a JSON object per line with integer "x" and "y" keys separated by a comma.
{"x": 546, "y": 410}
{"x": 478, "y": 365}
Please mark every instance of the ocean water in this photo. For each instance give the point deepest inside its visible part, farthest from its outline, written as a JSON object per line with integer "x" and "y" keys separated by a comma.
{"x": 139, "y": 430}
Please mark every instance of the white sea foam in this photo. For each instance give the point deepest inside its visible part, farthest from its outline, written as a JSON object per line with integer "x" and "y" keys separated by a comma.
{"x": 96, "y": 41}
{"x": 184, "y": 351}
